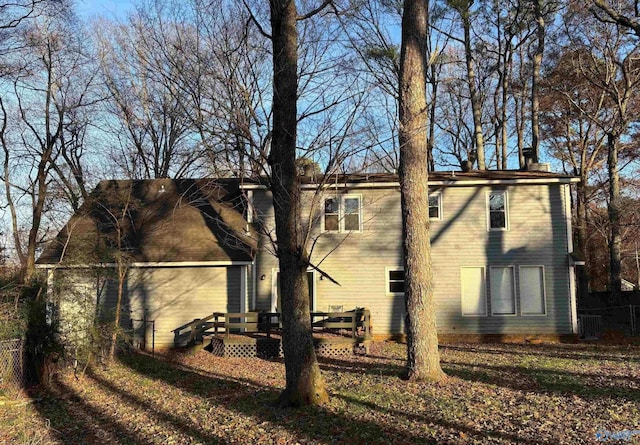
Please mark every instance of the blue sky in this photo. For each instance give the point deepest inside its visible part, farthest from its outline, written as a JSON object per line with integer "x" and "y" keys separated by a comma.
{"x": 106, "y": 8}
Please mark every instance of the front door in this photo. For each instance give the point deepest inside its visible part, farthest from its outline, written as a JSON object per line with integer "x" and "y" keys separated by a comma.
{"x": 275, "y": 293}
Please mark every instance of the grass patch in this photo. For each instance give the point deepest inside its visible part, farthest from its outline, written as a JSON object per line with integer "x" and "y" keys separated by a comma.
{"x": 494, "y": 393}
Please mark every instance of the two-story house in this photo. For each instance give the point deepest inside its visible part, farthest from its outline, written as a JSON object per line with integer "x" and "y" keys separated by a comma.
{"x": 501, "y": 253}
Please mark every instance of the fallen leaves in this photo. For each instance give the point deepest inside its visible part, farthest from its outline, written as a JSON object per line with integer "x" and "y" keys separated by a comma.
{"x": 495, "y": 394}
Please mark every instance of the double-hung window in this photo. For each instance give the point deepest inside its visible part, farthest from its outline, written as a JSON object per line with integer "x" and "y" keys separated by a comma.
{"x": 395, "y": 281}
{"x": 342, "y": 214}
{"x": 331, "y": 215}
{"x": 498, "y": 211}
{"x": 435, "y": 206}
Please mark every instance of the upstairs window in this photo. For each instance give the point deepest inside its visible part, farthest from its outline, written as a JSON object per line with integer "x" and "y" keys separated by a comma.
{"x": 435, "y": 206}
{"x": 342, "y": 214}
{"x": 497, "y": 211}
{"x": 351, "y": 213}
{"x": 331, "y": 215}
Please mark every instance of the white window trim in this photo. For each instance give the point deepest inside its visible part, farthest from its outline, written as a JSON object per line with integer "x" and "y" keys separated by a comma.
{"x": 323, "y": 214}
{"x": 484, "y": 277}
{"x": 506, "y": 211}
{"x": 544, "y": 291}
{"x": 513, "y": 280}
{"x": 387, "y": 281}
{"x": 341, "y": 213}
{"x": 439, "y": 196}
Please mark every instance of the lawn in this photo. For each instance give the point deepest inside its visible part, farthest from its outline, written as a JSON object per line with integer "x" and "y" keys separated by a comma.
{"x": 494, "y": 394}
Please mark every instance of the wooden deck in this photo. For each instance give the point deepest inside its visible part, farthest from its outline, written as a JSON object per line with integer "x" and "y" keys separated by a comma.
{"x": 258, "y": 334}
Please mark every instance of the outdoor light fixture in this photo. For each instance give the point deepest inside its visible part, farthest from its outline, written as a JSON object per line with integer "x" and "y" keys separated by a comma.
{"x": 262, "y": 277}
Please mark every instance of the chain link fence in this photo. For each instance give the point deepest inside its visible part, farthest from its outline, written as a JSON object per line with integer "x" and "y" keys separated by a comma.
{"x": 11, "y": 365}
{"x": 594, "y": 323}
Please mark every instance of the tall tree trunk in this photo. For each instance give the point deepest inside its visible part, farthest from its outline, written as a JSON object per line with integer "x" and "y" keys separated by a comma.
{"x": 423, "y": 360}
{"x": 433, "y": 109}
{"x": 304, "y": 383}
{"x": 519, "y": 113}
{"x": 615, "y": 238}
{"x": 17, "y": 242}
{"x": 38, "y": 208}
{"x": 122, "y": 269}
{"x": 506, "y": 75}
{"x": 535, "y": 79}
{"x": 476, "y": 106}
{"x": 53, "y": 131}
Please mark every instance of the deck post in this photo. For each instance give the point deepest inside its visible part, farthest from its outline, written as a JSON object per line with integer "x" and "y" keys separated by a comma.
{"x": 354, "y": 324}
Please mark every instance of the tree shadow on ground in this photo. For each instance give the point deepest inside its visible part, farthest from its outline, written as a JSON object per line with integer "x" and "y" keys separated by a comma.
{"x": 353, "y": 417}
{"x": 569, "y": 352}
{"x": 543, "y": 380}
{"x": 363, "y": 367}
{"x": 481, "y": 433}
{"x": 517, "y": 377}
{"x": 74, "y": 421}
{"x": 250, "y": 398}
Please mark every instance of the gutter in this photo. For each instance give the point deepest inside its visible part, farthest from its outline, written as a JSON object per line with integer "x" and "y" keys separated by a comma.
{"x": 449, "y": 183}
{"x": 146, "y": 264}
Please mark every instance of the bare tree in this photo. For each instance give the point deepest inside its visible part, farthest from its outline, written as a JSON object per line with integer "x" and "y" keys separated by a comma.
{"x": 464, "y": 10}
{"x": 575, "y": 139}
{"x": 609, "y": 62}
{"x": 155, "y": 137}
{"x": 369, "y": 28}
{"x": 113, "y": 210}
{"x": 625, "y": 14}
{"x": 46, "y": 103}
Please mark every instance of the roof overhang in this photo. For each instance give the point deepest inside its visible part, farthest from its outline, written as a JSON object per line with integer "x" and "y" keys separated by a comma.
{"x": 147, "y": 264}
{"x": 446, "y": 183}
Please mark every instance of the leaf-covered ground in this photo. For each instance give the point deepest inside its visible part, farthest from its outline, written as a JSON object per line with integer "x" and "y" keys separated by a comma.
{"x": 555, "y": 394}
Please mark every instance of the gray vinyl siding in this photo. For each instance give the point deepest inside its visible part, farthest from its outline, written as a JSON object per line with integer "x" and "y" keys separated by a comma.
{"x": 537, "y": 235}
{"x": 171, "y": 296}
{"x": 175, "y": 296}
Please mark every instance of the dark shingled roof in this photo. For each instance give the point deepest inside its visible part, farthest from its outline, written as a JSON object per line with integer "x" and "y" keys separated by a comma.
{"x": 193, "y": 220}
{"x": 160, "y": 220}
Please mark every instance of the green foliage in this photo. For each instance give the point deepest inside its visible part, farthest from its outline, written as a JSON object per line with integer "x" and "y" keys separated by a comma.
{"x": 308, "y": 166}
{"x": 13, "y": 321}
{"x": 41, "y": 340}
{"x": 389, "y": 53}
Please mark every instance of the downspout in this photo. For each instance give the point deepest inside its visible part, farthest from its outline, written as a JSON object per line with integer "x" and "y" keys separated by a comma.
{"x": 572, "y": 272}
{"x": 243, "y": 288}
{"x": 253, "y": 261}
{"x": 254, "y": 284}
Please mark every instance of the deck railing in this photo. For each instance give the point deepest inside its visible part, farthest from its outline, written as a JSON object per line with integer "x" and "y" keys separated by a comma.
{"x": 355, "y": 323}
